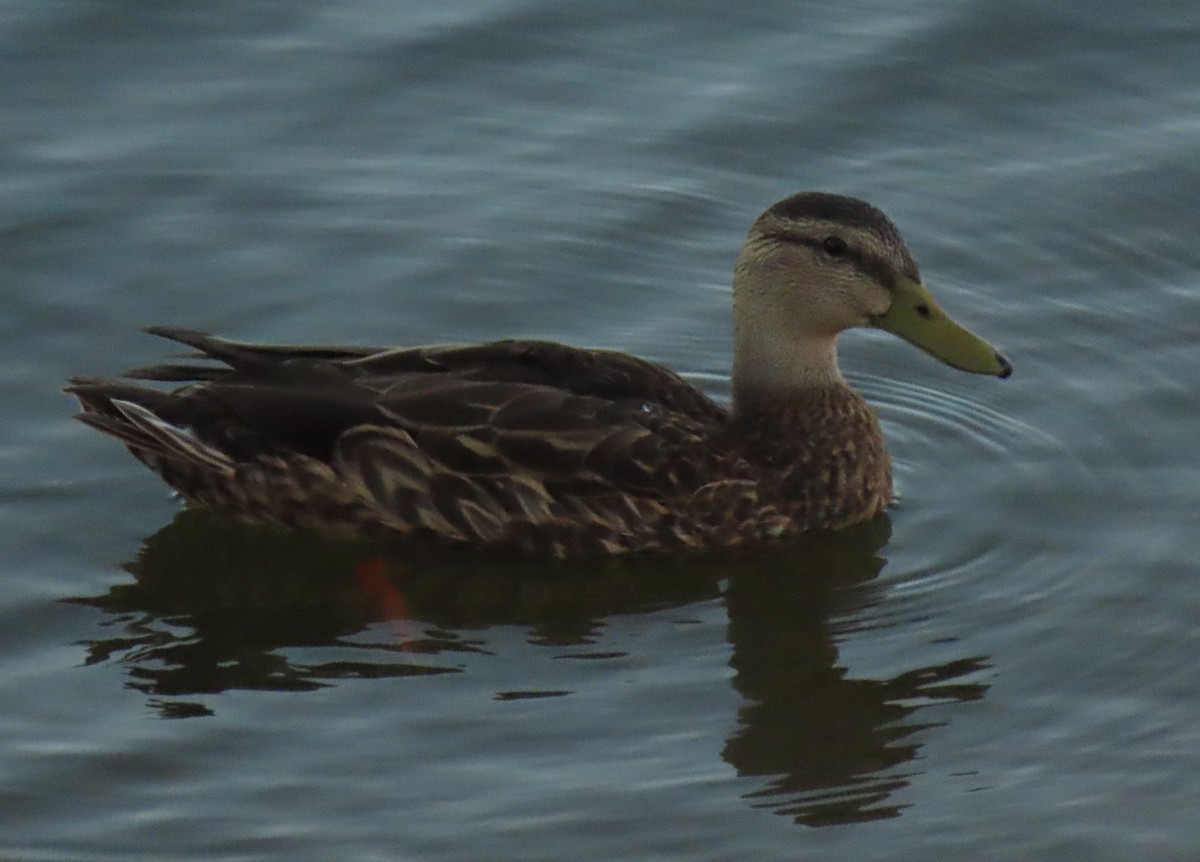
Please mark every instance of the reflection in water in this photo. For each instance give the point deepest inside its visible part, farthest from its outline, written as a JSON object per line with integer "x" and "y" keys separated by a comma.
{"x": 831, "y": 746}
{"x": 215, "y": 607}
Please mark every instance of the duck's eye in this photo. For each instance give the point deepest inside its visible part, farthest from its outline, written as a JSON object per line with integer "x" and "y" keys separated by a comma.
{"x": 834, "y": 246}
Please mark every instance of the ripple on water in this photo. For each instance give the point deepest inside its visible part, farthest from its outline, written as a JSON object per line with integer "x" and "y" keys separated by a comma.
{"x": 963, "y": 472}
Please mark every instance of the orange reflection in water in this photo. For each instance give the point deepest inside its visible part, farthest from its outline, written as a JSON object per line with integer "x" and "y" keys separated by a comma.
{"x": 384, "y": 598}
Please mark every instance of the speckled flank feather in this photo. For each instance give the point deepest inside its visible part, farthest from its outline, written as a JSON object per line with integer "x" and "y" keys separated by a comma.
{"x": 528, "y": 446}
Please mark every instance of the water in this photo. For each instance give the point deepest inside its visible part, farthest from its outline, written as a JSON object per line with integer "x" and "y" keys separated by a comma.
{"x": 1004, "y": 667}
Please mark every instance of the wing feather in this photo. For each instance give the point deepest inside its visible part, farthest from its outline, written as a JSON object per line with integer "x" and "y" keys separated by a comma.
{"x": 516, "y": 442}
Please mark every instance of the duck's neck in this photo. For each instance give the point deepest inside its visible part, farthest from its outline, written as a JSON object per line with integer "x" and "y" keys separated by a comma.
{"x": 818, "y": 446}
{"x": 770, "y": 369}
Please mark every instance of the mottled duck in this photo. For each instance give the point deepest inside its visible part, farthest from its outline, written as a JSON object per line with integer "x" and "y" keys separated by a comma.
{"x": 557, "y": 451}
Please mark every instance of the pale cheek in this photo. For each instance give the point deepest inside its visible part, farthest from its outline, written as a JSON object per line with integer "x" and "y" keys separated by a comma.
{"x": 829, "y": 313}
{"x": 876, "y": 302}
{"x": 848, "y": 305}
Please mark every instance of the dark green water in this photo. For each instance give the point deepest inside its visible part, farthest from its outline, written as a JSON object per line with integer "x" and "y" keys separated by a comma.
{"x": 1003, "y": 668}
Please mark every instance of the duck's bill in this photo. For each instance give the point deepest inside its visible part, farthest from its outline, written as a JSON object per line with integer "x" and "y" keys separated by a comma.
{"x": 917, "y": 318}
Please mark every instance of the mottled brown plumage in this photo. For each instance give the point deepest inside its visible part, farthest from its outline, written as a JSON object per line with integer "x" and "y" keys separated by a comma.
{"x": 537, "y": 447}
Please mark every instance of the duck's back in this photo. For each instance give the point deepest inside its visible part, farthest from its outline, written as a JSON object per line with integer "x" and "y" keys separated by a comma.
{"x": 531, "y": 445}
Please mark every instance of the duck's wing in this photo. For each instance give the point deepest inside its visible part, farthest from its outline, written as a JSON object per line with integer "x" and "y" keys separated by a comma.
{"x": 484, "y": 441}
{"x": 304, "y": 396}
{"x": 547, "y": 407}
{"x": 605, "y": 374}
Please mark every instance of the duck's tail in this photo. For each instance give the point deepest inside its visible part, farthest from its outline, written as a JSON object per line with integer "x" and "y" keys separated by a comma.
{"x": 126, "y": 411}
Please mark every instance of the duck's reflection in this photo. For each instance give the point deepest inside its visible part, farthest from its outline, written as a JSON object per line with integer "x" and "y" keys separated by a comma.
{"x": 214, "y": 608}
{"x": 831, "y": 747}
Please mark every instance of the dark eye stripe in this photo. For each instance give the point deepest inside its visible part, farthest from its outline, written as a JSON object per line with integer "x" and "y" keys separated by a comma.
{"x": 870, "y": 265}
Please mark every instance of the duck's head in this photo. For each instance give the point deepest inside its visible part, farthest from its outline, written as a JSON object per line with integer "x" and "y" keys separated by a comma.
{"x": 815, "y": 264}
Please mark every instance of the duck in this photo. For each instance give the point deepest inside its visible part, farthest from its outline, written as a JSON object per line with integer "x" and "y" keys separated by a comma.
{"x": 552, "y": 451}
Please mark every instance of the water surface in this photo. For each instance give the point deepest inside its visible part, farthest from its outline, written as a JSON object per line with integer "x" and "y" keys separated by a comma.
{"x": 1003, "y": 667}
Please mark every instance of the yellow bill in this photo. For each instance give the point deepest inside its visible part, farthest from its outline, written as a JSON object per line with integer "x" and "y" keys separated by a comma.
{"x": 917, "y": 318}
